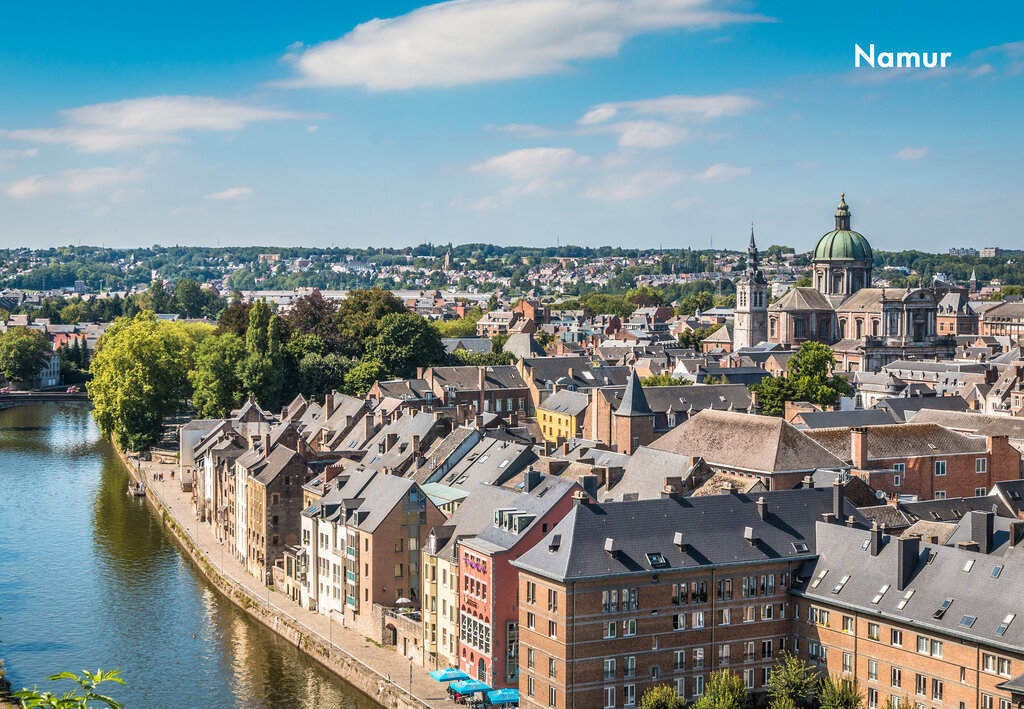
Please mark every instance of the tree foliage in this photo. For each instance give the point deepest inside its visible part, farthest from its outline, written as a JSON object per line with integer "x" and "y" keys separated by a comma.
{"x": 809, "y": 378}
{"x": 665, "y": 380}
{"x": 791, "y": 682}
{"x": 362, "y": 376}
{"x": 661, "y": 696}
{"x": 724, "y": 690}
{"x": 261, "y": 371}
{"x": 22, "y": 353}
{"x": 462, "y": 327}
{"x": 403, "y": 342}
{"x": 839, "y": 693}
{"x": 359, "y": 316}
{"x": 140, "y": 375}
{"x": 78, "y": 698}
{"x": 216, "y": 387}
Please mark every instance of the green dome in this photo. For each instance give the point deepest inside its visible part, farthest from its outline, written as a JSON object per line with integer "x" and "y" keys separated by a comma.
{"x": 843, "y": 245}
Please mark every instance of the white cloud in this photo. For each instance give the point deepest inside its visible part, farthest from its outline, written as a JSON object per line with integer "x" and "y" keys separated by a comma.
{"x": 71, "y": 182}
{"x": 721, "y": 172}
{"x": 647, "y": 134}
{"x": 531, "y": 162}
{"x": 7, "y": 156}
{"x": 910, "y": 154}
{"x": 469, "y": 41}
{"x": 147, "y": 121}
{"x": 232, "y": 193}
{"x": 630, "y": 186}
{"x": 675, "y": 107}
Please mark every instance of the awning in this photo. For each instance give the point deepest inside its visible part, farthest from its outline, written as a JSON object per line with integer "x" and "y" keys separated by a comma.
{"x": 503, "y": 696}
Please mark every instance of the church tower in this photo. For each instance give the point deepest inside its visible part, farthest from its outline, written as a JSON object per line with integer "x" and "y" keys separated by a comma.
{"x": 751, "y": 324}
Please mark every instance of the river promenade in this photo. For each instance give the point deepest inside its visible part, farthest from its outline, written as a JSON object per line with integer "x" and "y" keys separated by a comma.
{"x": 379, "y": 671}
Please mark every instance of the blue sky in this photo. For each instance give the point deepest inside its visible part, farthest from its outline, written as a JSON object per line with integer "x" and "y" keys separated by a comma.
{"x": 631, "y": 122}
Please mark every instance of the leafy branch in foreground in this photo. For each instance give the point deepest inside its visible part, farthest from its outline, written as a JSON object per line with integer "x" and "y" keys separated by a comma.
{"x": 75, "y": 698}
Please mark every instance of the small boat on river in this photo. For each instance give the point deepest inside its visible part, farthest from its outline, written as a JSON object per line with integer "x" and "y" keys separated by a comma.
{"x": 137, "y": 489}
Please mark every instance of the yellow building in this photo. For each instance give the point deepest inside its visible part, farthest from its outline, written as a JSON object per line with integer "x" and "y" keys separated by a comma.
{"x": 441, "y": 598}
{"x": 561, "y": 415}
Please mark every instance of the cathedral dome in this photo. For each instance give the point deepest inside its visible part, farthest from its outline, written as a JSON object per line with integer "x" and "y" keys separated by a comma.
{"x": 843, "y": 244}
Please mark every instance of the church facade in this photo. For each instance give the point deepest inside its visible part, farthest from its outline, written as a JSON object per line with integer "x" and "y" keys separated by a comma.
{"x": 866, "y": 327}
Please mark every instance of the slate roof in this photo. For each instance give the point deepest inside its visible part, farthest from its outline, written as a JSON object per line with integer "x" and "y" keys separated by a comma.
{"x": 903, "y": 441}
{"x": 969, "y": 422}
{"x": 633, "y": 402}
{"x": 490, "y": 461}
{"x": 978, "y": 593}
{"x": 857, "y": 417}
{"x": 568, "y": 402}
{"x": 903, "y": 409}
{"x": 886, "y": 515}
{"x": 953, "y": 509}
{"x": 712, "y": 528}
{"x": 644, "y": 473}
{"x": 469, "y": 344}
{"x": 281, "y": 459}
{"x": 538, "y": 502}
{"x": 466, "y": 378}
{"x": 802, "y": 298}
{"x": 585, "y": 374}
{"x": 361, "y": 499}
{"x": 747, "y": 442}
{"x": 692, "y": 398}
{"x": 715, "y": 485}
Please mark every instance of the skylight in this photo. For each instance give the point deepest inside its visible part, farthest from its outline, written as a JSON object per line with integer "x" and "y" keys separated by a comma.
{"x": 881, "y": 592}
{"x": 800, "y": 548}
{"x": 821, "y": 575}
{"x": 943, "y": 607}
{"x": 968, "y": 566}
{"x": 996, "y": 570}
{"x": 967, "y": 621}
{"x": 1005, "y": 624}
{"x": 656, "y": 559}
{"x": 842, "y": 582}
{"x": 903, "y": 603}
{"x": 864, "y": 544}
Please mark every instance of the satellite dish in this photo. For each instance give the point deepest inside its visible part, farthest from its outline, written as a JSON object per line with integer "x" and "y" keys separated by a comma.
{"x": 880, "y": 495}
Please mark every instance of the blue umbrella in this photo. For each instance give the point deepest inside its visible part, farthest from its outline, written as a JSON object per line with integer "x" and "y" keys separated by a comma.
{"x": 503, "y": 696}
{"x": 449, "y": 675}
{"x": 469, "y": 686}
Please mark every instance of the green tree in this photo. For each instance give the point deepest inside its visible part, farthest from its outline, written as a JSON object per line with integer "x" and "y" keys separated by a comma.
{"x": 140, "y": 375}
{"x": 235, "y": 319}
{"x": 189, "y": 299}
{"x": 462, "y": 327}
{"x": 665, "y": 380}
{"x": 839, "y": 693}
{"x": 694, "y": 339}
{"x": 808, "y": 378}
{"x": 645, "y": 297}
{"x": 261, "y": 370}
{"x": 724, "y": 690}
{"x": 700, "y": 301}
{"x": 22, "y": 353}
{"x": 661, "y": 697}
{"x": 216, "y": 388}
{"x": 404, "y": 342}
{"x": 803, "y": 282}
{"x": 492, "y": 302}
{"x": 480, "y": 359}
{"x": 314, "y": 315}
{"x": 359, "y": 317}
{"x": 362, "y": 376}
{"x": 79, "y": 698}
{"x": 321, "y": 374}
{"x": 791, "y": 681}
{"x": 772, "y": 395}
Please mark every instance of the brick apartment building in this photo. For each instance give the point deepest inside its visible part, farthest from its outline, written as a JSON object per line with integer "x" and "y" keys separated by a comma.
{"x": 922, "y": 459}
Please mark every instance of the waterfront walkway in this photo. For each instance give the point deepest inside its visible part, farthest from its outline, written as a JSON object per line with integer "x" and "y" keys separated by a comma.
{"x": 386, "y": 662}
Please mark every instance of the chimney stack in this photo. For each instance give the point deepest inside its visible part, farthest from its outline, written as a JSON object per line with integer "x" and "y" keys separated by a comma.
{"x": 728, "y": 487}
{"x": 415, "y": 444}
{"x": 609, "y": 546}
{"x": 329, "y": 405}
{"x": 481, "y": 384}
{"x": 838, "y": 500}
{"x": 532, "y": 479}
{"x": 368, "y": 427}
{"x": 680, "y": 544}
{"x": 981, "y": 530}
{"x": 808, "y": 482}
{"x": 908, "y": 552}
{"x": 390, "y": 440}
{"x": 589, "y": 484}
{"x": 762, "y": 508}
{"x": 859, "y": 447}
{"x": 876, "y": 539}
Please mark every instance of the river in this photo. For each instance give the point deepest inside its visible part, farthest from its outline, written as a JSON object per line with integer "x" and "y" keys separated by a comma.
{"x": 90, "y": 578}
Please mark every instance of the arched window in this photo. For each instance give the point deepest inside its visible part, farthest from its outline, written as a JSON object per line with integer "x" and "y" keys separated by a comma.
{"x": 481, "y": 670}
{"x": 860, "y": 328}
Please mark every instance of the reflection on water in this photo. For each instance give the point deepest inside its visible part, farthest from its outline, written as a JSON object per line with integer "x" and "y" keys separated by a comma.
{"x": 89, "y": 578}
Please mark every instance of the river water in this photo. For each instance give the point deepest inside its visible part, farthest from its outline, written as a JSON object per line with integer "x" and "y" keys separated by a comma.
{"x": 89, "y": 578}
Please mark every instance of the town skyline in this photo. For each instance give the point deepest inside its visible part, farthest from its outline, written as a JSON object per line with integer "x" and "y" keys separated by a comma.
{"x": 631, "y": 124}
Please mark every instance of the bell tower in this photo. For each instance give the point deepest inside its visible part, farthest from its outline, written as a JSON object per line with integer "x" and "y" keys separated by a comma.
{"x": 751, "y": 323}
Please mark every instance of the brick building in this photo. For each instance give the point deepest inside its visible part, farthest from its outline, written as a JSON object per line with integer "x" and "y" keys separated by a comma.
{"x": 922, "y": 459}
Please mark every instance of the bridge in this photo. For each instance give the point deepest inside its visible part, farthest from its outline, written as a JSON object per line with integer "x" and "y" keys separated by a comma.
{"x": 78, "y": 400}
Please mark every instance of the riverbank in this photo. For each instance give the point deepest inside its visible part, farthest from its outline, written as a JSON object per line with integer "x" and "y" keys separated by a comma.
{"x": 365, "y": 665}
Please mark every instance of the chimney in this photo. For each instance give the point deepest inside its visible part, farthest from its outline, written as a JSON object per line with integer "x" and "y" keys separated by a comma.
{"x": 851, "y": 522}
{"x": 266, "y": 444}
{"x": 479, "y": 422}
{"x": 513, "y": 419}
{"x": 908, "y": 552}
{"x": 677, "y": 539}
{"x": 419, "y": 372}
{"x": 532, "y": 479}
{"x": 859, "y": 447}
{"x": 390, "y": 440}
{"x": 589, "y": 484}
{"x": 580, "y": 498}
{"x": 329, "y": 404}
{"x": 838, "y": 500}
{"x": 762, "y": 508}
{"x": 808, "y": 482}
{"x": 981, "y": 530}
{"x": 728, "y": 487}
{"x": 748, "y": 534}
{"x": 481, "y": 384}
{"x": 1016, "y": 528}
{"x": 609, "y": 546}
{"x": 876, "y": 539}
{"x": 367, "y": 426}
{"x": 565, "y": 447}
{"x": 416, "y": 444}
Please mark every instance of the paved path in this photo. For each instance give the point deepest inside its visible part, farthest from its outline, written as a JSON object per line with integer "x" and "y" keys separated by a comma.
{"x": 386, "y": 662}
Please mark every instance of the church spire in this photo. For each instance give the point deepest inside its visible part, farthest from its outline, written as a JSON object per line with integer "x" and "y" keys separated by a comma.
{"x": 753, "y": 256}
{"x": 842, "y": 214}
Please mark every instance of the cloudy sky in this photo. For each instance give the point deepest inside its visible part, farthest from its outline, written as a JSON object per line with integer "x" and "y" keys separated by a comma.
{"x": 633, "y": 122}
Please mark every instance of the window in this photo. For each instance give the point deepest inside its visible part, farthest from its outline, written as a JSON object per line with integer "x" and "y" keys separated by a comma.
{"x": 698, "y": 659}
{"x": 896, "y": 638}
{"x": 630, "y": 669}
{"x": 767, "y": 611}
{"x": 847, "y": 662}
{"x": 897, "y": 677}
{"x": 698, "y": 687}
{"x": 748, "y": 678}
{"x": 723, "y": 616}
{"x": 872, "y": 698}
{"x": 940, "y": 494}
{"x": 698, "y": 619}
{"x": 552, "y": 696}
{"x": 873, "y": 669}
{"x": 873, "y": 631}
{"x": 553, "y": 601}
{"x": 725, "y": 589}
{"x": 940, "y": 468}
{"x": 679, "y": 660}
{"x": 1004, "y": 667}
{"x": 552, "y": 668}
{"x": 629, "y": 695}
{"x": 531, "y": 592}
{"x": 899, "y": 467}
{"x": 922, "y": 644}
{"x": 529, "y": 686}
{"x": 749, "y": 614}
{"x": 609, "y": 668}
{"x": 937, "y": 689}
{"x": 766, "y": 649}
{"x": 981, "y": 465}
{"x": 896, "y": 480}
{"x": 679, "y": 621}
{"x": 529, "y": 659}
{"x": 848, "y": 624}
{"x": 921, "y": 685}
{"x": 723, "y": 654}
{"x": 610, "y": 601}
{"x": 552, "y": 629}
{"x": 936, "y": 648}
{"x": 531, "y": 621}
{"x": 986, "y": 701}
{"x": 979, "y": 492}
{"x": 398, "y": 544}
{"x": 609, "y": 697}
{"x": 629, "y": 627}
{"x": 398, "y": 571}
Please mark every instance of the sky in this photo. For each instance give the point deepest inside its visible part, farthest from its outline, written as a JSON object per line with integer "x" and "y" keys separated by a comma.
{"x": 640, "y": 123}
